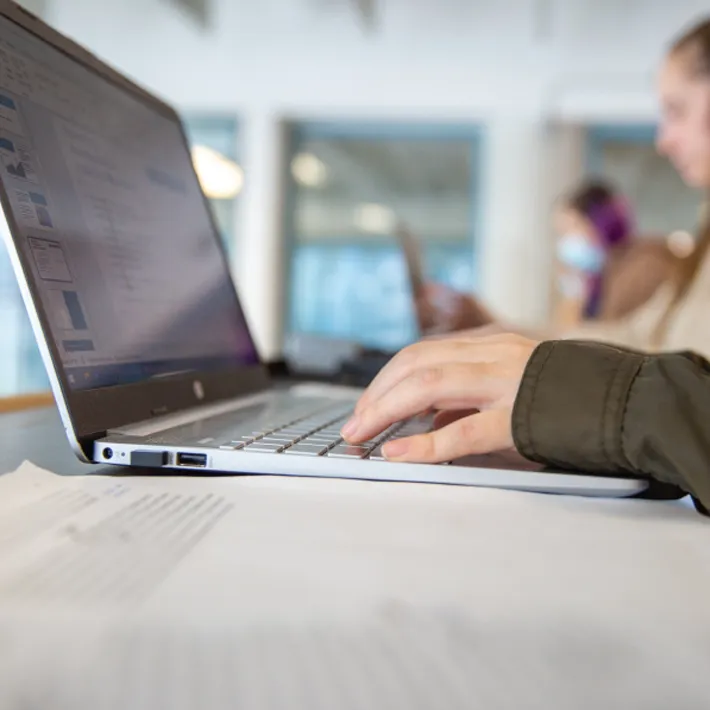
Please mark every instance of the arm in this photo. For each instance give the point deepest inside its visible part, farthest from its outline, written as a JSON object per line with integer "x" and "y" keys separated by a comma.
{"x": 569, "y": 312}
{"x": 573, "y": 289}
{"x": 602, "y": 409}
{"x": 576, "y": 405}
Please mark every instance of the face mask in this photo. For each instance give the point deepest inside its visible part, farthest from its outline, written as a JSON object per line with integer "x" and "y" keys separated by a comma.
{"x": 577, "y": 252}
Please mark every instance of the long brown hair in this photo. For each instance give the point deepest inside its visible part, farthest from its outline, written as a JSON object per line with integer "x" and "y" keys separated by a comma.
{"x": 694, "y": 46}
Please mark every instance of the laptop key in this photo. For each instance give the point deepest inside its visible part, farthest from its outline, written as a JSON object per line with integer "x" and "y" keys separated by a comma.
{"x": 348, "y": 452}
{"x": 233, "y": 445}
{"x": 243, "y": 441}
{"x": 261, "y": 432}
{"x": 238, "y": 434}
{"x": 321, "y": 437}
{"x": 260, "y": 448}
{"x": 316, "y": 442}
{"x": 306, "y": 450}
{"x": 293, "y": 438}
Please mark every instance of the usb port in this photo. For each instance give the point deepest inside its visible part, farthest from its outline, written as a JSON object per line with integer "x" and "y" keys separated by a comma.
{"x": 194, "y": 460}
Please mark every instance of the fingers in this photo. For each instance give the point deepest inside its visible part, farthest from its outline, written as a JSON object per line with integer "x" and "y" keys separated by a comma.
{"x": 483, "y": 374}
{"x": 480, "y": 433}
{"x": 454, "y": 386}
{"x": 437, "y": 353}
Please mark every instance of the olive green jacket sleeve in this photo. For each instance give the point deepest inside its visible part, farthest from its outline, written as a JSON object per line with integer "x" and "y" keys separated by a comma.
{"x": 603, "y": 409}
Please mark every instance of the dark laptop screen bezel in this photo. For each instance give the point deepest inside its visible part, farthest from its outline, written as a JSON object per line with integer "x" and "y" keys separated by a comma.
{"x": 95, "y": 411}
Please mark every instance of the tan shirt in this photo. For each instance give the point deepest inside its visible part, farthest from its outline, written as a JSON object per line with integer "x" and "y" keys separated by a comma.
{"x": 688, "y": 328}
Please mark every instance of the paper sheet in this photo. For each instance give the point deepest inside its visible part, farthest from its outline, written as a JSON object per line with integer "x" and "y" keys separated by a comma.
{"x": 261, "y": 592}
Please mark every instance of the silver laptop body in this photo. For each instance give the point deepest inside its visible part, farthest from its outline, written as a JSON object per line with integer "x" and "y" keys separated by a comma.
{"x": 128, "y": 290}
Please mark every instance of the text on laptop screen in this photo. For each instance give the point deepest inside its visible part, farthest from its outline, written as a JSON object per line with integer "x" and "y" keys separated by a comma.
{"x": 112, "y": 220}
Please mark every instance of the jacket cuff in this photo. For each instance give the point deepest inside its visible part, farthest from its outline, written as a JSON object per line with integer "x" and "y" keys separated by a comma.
{"x": 570, "y": 407}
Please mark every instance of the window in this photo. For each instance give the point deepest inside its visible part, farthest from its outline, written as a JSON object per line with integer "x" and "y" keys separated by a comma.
{"x": 627, "y": 156}
{"x": 214, "y": 148}
{"x": 349, "y": 186}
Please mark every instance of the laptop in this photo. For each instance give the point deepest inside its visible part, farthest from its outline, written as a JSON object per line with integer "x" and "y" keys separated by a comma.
{"x": 128, "y": 289}
{"x": 414, "y": 263}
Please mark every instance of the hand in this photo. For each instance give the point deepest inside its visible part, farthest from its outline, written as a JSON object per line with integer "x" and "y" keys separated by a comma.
{"x": 473, "y": 333}
{"x": 442, "y": 308}
{"x": 471, "y": 383}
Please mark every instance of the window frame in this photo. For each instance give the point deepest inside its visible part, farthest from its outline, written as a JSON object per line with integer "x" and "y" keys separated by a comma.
{"x": 214, "y": 121}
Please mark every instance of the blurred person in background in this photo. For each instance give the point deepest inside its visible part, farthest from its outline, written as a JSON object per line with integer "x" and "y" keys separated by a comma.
{"x": 603, "y": 271}
{"x": 575, "y": 404}
{"x": 641, "y": 295}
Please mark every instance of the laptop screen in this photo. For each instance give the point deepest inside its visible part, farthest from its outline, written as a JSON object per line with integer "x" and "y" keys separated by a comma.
{"x": 113, "y": 224}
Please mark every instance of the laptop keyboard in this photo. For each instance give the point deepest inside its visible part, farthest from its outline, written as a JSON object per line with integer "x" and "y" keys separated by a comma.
{"x": 318, "y": 434}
